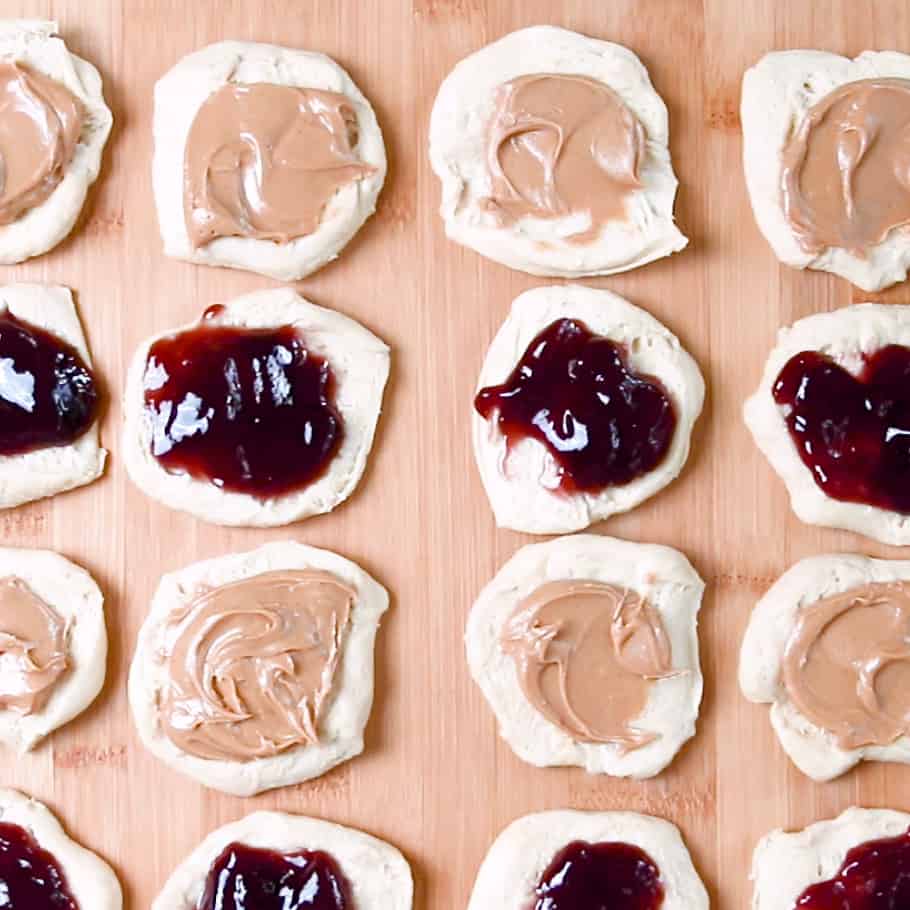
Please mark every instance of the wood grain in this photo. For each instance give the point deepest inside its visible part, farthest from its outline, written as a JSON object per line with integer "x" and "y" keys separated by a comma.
{"x": 434, "y": 779}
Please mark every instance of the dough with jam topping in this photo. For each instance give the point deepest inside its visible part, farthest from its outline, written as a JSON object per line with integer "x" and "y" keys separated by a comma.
{"x": 523, "y": 850}
{"x": 349, "y": 688}
{"x": 823, "y": 753}
{"x": 179, "y": 96}
{"x": 656, "y": 576}
{"x": 555, "y": 231}
{"x": 777, "y": 92}
{"x": 34, "y": 44}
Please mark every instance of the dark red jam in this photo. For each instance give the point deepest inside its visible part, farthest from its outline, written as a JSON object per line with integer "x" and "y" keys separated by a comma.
{"x": 574, "y": 392}
{"x": 873, "y": 876}
{"x": 852, "y": 432}
{"x": 249, "y": 410}
{"x": 30, "y": 877}
{"x": 48, "y": 395}
{"x": 607, "y": 876}
{"x": 249, "y": 878}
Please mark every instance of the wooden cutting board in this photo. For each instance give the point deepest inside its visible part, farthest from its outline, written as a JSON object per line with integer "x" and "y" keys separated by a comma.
{"x": 435, "y": 780}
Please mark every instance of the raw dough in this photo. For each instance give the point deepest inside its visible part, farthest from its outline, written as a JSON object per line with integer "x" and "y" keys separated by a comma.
{"x": 182, "y": 91}
{"x": 518, "y": 857}
{"x": 33, "y": 42}
{"x": 776, "y": 93}
{"x": 845, "y": 335}
{"x": 91, "y": 881}
{"x": 45, "y": 472}
{"x": 360, "y": 363}
{"x": 785, "y": 864}
{"x": 379, "y": 875}
{"x": 522, "y": 501}
{"x": 661, "y": 575}
{"x": 458, "y": 139}
{"x": 352, "y": 692}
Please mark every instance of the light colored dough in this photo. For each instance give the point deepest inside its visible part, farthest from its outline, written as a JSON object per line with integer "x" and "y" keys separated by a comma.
{"x": 458, "y": 154}
{"x": 55, "y": 469}
{"x": 786, "y": 863}
{"x": 184, "y": 89}
{"x": 661, "y": 575}
{"x": 776, "y": 94}
{"x": 520, "y": 855}
{"x": 813, "y": 750}
{"x": 91, "y": 881}
{"x": 342, "y": 725}
{"x": 360, "y": 364}
{"x": 34, "y": 43}
{"x": 525, "y": 499}
{"x": 845, "y": 335}
{"x": 378, "y": 874}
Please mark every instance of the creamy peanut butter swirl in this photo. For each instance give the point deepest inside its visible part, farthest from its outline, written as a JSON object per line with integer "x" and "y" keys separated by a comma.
{"x": 33, "y": 648}
{"x": 562, "y": 145}
{"x": 250, "y": 664}
{"x": 264, "y": 161}
{"x": 845, "y": 176}
{"x": 846, "y": 665}
{"x": 40, "y": 125}
{"x": 586, "y": 654}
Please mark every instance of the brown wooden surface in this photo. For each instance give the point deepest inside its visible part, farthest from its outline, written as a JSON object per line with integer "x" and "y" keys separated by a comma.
{"x": 434, "y": 779}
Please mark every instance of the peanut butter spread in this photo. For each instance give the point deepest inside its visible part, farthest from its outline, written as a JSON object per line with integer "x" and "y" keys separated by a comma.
{"x": 562, "y": 145}
{"x": 586, "y": 654}
{"x": 264, "y": 161}
{"x": 845, "y": 177}
{"x": 250, "y": 664}
{"x": 33, "y": 648}
{"x": 846, "y": 665}
{"x": 40, "y": 125}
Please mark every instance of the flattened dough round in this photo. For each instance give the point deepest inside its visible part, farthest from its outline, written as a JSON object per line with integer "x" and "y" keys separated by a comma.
{"x": 521, "y": 487}
{"x": 342, "y": 725}
{"x": 659, "y": 574}
{"x": 360, "y": 364}
{"x": 184, "y": 89}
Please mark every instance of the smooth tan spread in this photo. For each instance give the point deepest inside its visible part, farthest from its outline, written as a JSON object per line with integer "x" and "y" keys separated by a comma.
{"x": 847, "y": 664}
{"x": 33, "y": 648}
{"x": 40, "y": 125}
{"x": 264, "y": 161}
{"x": 559, "y": 146}
{"x": 250, "y": 664}
{"x": 586, "y": 654}
{"x": 845, "y": 175}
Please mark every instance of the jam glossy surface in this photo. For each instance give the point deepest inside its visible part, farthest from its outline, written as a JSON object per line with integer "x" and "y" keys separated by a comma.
{"x": 852, "y": 432}
{"x": 30, "y": 877}
{"x": 573, "y": 391}
{"x": 249, "y": 878}
{"x": 605, "y": 876}
{"x": 48, "y": 395}
{"x": 873, "y": 876}
{"x": 249, "y": 410}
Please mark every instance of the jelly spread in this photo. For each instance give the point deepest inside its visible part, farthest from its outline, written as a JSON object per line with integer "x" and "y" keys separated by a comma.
{"x": 585, "y": 654}
{"x": 845, "y": 176}
{"x": 251, "y": 878}
{"x": 561, "y": 146}
{"x": 250, "y": 664}
{"x": 847, "y": 664}
{"x": 48, "y": 395}
{"x": 30, "y": 877}
{"x": 600, "y": 876}
{"x": 874, "y": 875}
{"x": 249, "y": 410}
{"x": 40, "y": 125}
{"x": 574, "y": 392}
{"x": 852, "y": 431}
{"x": 265, "y": 160}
